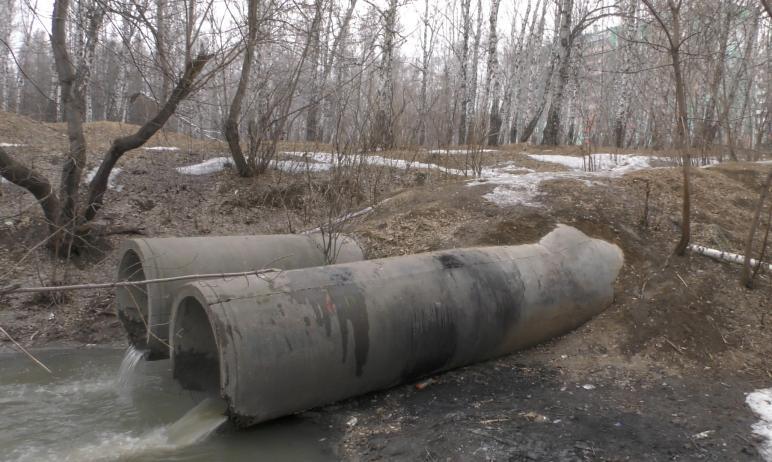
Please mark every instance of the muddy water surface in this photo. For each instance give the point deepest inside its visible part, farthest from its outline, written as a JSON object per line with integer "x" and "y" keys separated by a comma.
{"x": 87, "y": 411}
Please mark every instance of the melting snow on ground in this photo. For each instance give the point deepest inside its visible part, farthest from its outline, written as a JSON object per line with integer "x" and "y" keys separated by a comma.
{"x": 111, "y": 183}
{"x": 457, "y": 152}
{"x": 760, "y": 402}
{"x": 327, "y": 158}
{"x": 10, "y": 145}
{"x": 206, "y": 167}
{"x": 518, "y": 186}
{"x": 514, "y": 185}
{"x": 162, "y": 148}
{"x": 617, "y": 163}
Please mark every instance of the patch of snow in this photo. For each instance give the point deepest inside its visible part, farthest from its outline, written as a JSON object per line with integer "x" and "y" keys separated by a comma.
{"x": 297, "y": 166}
{"x": 703, "y": 435}
{"x": 519, "y": 189}
{"x": 206, "y": 167}
{"x": 619, "y": 163}
{"x": 327, "y": 158}
{"x": 588, "y": 386}
{"x": 111, "y": 183}
{"x": 520, "y": 186}
{"x": 162, "y": 148}
{"x": 456, "y": 152}
{"x": 10, "y": 145}
{"x": 764, "y": 162}
{"x": 760, "y": 402}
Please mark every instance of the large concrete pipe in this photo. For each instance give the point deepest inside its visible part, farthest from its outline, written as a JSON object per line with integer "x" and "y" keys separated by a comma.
{"x": 144, "y": 310}
{"x": 294, "y": 340}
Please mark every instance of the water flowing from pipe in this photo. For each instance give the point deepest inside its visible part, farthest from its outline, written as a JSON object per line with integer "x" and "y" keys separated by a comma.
{"x": 129, "y": 364}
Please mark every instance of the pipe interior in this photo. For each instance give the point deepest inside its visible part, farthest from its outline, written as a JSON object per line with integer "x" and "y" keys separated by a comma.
{"x": 133, "y": 301}
{"x": 195, "y": 356}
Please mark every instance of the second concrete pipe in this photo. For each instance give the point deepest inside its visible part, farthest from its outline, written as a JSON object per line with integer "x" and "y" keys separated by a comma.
{"x": 289, "y": 341}
{"x": 145, "y": 310}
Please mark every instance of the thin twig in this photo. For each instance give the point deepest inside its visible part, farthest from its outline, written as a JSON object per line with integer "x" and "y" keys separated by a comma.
{"x": 675, "y": 347}
{"x": 109, "y": 285}
{"x": 24, "y": 350}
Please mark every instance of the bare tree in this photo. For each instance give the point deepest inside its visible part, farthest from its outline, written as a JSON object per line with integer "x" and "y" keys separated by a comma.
{"x": 675, "y": 40}
{"x": 243, "y": 166}
{"x": 427, "y": 49}
{"x": 383, "y": 129}
{"x": 746, "y": 276}
{"x": 466, "y": 20}
{"x": 625, "y": 79}
{"x": 67, "y": 221}
{"x": 491, "y": 99}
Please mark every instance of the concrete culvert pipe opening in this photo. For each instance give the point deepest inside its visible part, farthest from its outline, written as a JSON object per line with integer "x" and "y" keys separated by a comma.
{"x": 196, "y": 358}
{"x": 312, "y": 336}
{"x": 133, "y": 300}
{"x": 145, "y": 310}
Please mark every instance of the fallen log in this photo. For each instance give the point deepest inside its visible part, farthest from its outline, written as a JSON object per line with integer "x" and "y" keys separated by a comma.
{"x": 726, "y": 256}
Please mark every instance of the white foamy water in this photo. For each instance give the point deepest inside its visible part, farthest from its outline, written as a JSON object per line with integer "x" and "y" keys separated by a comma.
{"x": 128, "y": 368}
{"x": 760, "y": 402}
{"x": 193, "y": 427}
{"x": 79, "y": 414}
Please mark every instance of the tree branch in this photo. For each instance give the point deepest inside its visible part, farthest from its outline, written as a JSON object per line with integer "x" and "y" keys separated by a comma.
{"x": 27, "y": 178}
{"x": 124, "y": 144}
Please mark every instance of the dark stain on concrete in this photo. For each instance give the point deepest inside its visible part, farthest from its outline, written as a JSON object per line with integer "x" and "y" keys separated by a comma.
{"x": 449, "y": 261}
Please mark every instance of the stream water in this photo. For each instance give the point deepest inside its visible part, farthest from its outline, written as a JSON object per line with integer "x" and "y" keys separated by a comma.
{"x": 104, "y": 405}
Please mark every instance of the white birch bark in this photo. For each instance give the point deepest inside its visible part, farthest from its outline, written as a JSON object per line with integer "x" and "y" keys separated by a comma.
{"x": 490, "y": 101}
{"x": 466, "y": 20}
{"x": 625, "y": 80}
{"x": 726, "y": 256}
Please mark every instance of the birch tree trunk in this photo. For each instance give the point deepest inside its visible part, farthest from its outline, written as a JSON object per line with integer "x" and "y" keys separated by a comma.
{"x": 312, "y": 115}
{"x": 552, "y": 129}
{"x": 494, "y": 119}
{"x": 514, "y": 84}
{"x": 728, "y": 102}
{"x": 384, "y": 119}
{"x": 529, "y": 82}
{"x": 473, "y": 103}
{"x": 335, "y": 59}
{"x": 537, "y": 105}
{"x": 162, "y": 58}
{"x": 466, "y": 20}
{"x": 427, "y": 42}
{"x": 625, "y": 79}
{"x": 6, "y": 11}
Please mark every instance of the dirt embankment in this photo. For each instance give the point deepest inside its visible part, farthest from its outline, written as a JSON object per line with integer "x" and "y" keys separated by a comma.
{"x": 659, "y": 376}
